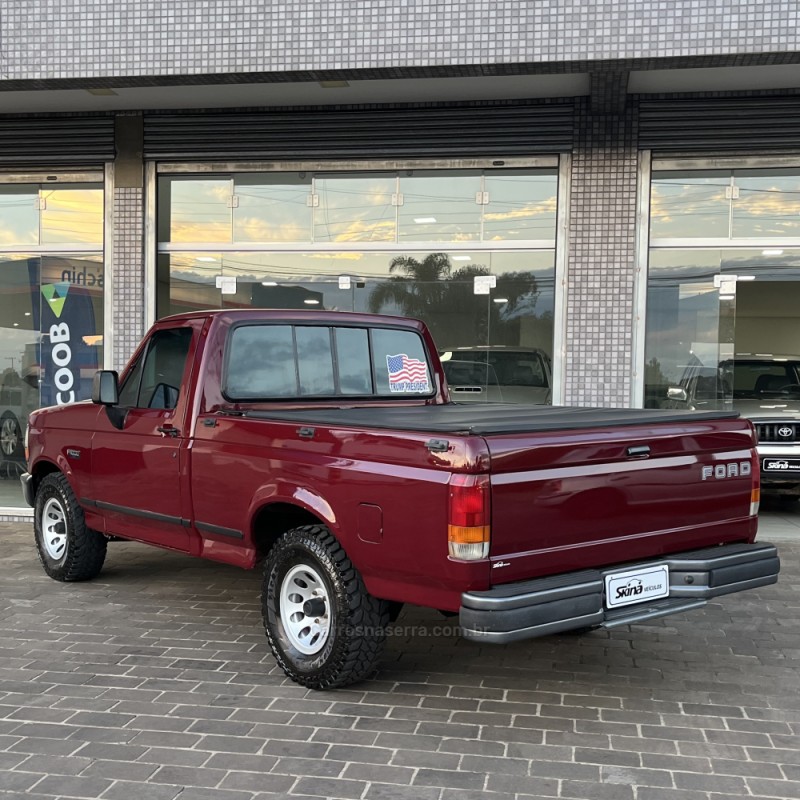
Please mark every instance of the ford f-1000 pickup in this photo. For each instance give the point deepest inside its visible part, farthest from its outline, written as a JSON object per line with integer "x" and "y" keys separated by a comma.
{"x": 324, "y": 446}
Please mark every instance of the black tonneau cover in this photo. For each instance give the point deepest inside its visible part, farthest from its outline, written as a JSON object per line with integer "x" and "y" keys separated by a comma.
{"x": 479, "y": 420}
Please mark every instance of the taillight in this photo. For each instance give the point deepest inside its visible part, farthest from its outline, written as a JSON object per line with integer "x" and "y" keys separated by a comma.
{"x": 755, "y": 486}
{"x": 469, "y": 517}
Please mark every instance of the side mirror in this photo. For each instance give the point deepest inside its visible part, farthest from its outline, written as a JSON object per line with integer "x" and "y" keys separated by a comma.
{"x": 105, "y": 387}
{"x": 677, "y": 393}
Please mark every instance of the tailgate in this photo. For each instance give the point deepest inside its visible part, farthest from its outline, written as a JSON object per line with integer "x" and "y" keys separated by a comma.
{"x": 588, "y": 498}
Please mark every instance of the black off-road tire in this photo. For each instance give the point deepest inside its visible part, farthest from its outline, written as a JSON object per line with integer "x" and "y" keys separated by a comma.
{"x": 68, "y": 549}
{"x": 346, "y": 646}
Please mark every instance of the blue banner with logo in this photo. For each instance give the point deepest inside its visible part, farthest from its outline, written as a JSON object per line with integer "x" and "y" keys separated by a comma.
{"x": 68, "y": 357}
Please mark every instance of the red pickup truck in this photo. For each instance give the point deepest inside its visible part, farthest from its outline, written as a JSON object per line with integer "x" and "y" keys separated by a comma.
{"x": 324, "y": 445}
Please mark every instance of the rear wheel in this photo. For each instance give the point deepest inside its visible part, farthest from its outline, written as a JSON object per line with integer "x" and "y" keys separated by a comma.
{"x": 68, "y": 550}
{"x": 325, "y": 630}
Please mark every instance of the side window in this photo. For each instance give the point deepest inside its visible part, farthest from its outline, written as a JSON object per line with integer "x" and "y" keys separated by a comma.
{"x": 161, "y": 370}
{"x": 314, "y": 360}
{"x": 352, "y": 356}
{"x": 261, "y": 363}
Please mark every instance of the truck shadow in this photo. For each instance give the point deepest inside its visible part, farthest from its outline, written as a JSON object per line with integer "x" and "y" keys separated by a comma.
{"x": 725, "y": 640}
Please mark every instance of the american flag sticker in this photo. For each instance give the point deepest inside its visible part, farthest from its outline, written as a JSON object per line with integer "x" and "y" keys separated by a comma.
{"x": 407, "y": 374}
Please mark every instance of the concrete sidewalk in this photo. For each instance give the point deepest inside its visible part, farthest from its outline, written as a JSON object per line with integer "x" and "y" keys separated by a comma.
{"x": 154, "y": 681}
{"x": 778, "y": 521}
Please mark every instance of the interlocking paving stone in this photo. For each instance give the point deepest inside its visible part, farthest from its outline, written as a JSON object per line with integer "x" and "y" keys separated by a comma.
{"x": 154, "y": 682}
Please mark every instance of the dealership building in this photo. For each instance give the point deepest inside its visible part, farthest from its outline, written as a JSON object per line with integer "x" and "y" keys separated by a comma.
{"x": 613, "y": 186}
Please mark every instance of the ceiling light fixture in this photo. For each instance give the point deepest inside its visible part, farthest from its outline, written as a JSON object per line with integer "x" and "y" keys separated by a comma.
{"x": 311, "y": 302}
{"x": 424, "y": 220}
{"x": 772, "y": 252}
{"x": 462, "y": 258}
{"x": 269, "y": 283}
{"x": 205, "y": 258}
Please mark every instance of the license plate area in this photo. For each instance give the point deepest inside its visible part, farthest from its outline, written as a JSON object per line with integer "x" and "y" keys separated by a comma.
{"x": 781, "y": 465}
{"x": 636, "y": 585}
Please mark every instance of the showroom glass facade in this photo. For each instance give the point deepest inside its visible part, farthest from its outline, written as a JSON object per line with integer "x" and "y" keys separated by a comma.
{"x": 51, "y": 306}
{"x": 724, "y": 276}
{"x": 400, "y": 241}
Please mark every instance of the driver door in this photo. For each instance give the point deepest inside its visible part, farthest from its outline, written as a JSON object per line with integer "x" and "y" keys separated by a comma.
{"x": 137, "y": 470}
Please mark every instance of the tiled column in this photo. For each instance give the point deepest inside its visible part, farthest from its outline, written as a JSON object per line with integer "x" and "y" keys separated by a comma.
{"x": 600, "y": 267}
{"x": 128, "y": 253}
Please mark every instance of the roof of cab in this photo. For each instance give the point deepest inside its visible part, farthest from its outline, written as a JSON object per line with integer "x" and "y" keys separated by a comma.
{"x": 237, "y": 314}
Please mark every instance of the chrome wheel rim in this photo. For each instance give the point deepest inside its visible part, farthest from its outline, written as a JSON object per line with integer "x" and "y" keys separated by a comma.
{"x": 54, "y": 529}
{"x": 305, "y": 609}
{"x": 9, "y": 437}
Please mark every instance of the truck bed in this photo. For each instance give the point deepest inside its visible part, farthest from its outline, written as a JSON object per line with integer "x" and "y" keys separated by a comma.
{"x": 484, "y": 420}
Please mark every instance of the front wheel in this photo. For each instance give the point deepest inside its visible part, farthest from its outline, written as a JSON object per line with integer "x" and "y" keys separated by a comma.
{"x": 68, "y": 549}
{"x": 325, "y": 630}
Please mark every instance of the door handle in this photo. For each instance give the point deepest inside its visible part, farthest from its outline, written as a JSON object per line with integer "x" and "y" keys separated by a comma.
{"x": 167, "y": 430}
{"x": 305, "y": 433}
{"x": 639, "y": 451}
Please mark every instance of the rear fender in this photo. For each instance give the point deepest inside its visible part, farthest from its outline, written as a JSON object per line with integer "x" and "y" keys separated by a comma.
{"x": 286, "y": 500}
{"x": 300, "y": 496}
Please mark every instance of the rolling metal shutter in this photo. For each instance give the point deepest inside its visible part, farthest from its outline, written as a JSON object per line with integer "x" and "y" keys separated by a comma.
{"x": 56, "y": 141}
{"x": 359, "y": 133}
{"x": 738, "y": 126}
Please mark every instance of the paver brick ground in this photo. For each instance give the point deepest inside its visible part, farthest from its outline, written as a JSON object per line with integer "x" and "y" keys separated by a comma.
{"x": 154, "y": 681}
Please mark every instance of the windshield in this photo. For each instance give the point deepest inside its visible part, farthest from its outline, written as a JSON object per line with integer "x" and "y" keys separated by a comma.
{"x": 506, "y": 368}
{"x": 759, "y": 379}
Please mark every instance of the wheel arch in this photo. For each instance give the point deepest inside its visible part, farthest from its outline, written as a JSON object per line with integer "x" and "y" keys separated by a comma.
{"x": 42, "y": 469}
{"x": 272, "y": 520}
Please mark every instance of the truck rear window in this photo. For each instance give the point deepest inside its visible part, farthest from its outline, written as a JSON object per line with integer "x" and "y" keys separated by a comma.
{"x": 277, "y": 362}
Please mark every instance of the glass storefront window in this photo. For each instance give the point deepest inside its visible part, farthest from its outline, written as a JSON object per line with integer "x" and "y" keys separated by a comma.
{"x": 368, "y": 207}
{"x": 19, "y": 215}
{"x": 195, "y": 210}
{"x": 725, "y": 204}
{"x": 355, "y": 209}
{"x": 689, "y": 205}
{"x": 72, "y": 215}
{"x": 683, "y": 321}
{"x": 705, "y": 305}
{"x": 51, "y": 308}
{"x": 768, "y": 203}
{"x": 711, "y": 293}
{"x": 364, "y": 241}
{"x": 271, "y": 207}
{"x": 40, "y": 294}
{"x": 438, "y": 288}
{"x": 520, "y": 206}
{"x": 439, "y": 207}
{"x": 19, "y": 372}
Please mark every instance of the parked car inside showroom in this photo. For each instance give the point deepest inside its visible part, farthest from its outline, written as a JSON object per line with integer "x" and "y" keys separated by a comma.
{"x": 765, "y": 388}
{"x": 17, "y": 397}
{"x": 497, "y": 374}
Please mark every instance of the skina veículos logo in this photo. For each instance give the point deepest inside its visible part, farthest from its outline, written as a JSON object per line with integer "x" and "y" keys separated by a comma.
{"x": 778, "y": 465}
{"x": 632, "y": 588}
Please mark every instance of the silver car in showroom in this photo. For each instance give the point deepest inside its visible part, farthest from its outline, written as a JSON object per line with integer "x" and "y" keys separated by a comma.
{"x": 765, "y": 388}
